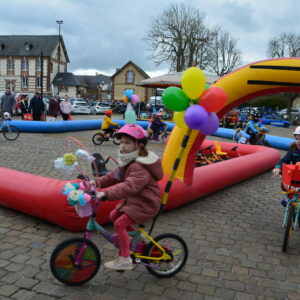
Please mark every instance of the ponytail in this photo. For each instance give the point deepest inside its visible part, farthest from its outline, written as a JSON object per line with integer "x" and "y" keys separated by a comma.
{"x": 143, "y": 150}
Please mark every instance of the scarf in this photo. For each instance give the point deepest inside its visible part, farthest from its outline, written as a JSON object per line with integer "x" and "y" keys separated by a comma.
{"x": 126, "y": 158}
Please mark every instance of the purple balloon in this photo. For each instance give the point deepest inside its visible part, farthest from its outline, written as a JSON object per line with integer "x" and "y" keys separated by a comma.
{"x": 195, "y": 116}
{"x": 134, "y": 99}
{"x": 212, "y": 124}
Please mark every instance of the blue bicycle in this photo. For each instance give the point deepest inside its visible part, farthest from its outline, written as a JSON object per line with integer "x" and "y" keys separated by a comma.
{"x": 10, "y": 132}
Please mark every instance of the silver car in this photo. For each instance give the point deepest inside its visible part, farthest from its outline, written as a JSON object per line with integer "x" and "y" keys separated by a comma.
{"x": 80, "y": 107}
{"x": 101, "y": 107}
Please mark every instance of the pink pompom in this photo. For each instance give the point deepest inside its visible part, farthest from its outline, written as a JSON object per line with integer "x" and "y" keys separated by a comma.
{"x": 81, "y": 186}
{"x": 87, "y": 198}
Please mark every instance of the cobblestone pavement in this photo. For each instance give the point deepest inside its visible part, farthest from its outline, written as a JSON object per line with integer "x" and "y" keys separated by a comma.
{"x": 234, "y": 238}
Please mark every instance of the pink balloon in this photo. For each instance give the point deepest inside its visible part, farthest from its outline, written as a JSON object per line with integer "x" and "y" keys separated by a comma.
{"x": 134, "y": 99}
{"x": 212, "y": 124}
{"x": 195, "y": 116}
{"x": 213, "y": 99}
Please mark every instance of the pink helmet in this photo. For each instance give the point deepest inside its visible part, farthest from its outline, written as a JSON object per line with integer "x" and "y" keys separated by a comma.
{"x": 133, "y": 130}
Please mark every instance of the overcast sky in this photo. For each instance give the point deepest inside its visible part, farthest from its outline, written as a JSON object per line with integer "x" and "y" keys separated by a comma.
{"x": 102, "y": 35}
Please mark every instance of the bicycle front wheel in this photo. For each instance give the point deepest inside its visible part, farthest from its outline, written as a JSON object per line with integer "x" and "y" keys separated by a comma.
{"x": 11, "y": 132}
{"x": 288, "y": 227}
{"x": 98, "y": 138}
{"x": 65, "y": 267}
{"x": 175, "y": 246}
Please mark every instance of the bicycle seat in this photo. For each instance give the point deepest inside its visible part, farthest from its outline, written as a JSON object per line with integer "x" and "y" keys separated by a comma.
{"x": 99, "y": 165}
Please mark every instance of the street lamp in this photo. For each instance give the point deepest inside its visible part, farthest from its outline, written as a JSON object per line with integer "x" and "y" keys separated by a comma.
{"x": 59, "y": 22}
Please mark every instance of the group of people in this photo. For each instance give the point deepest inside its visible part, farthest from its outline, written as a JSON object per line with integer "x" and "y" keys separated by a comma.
{"x": 35, "y": 106}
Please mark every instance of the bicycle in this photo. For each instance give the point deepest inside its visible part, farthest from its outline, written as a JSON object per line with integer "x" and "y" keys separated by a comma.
{"x": 77, "y": 260}
{"x": 10, "y": 132}
{"x": 291, "y": 186}
{"x": 162, "y": 135}
{"x": 102, "y": 136}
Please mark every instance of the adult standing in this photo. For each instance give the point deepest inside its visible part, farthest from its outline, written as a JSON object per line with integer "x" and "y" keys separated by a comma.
{"x": 25, "y": 106}
{"x": 37, "y": 106}
{"x": 65, "y": 108}
{"x": 8, "y": 102}
{"x": 54, "y": 107}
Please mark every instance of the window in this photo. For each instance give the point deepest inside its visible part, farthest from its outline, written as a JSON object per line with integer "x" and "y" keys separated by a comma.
{"x": 51, "y": 67}
{"x": 38, "y": 65}
{"x": 9, "y": 84}
{"x": 38, "y": 82}
{"x": 24, "y": 82}
{"x": 25, "y": 65}
{"x": 10, "y": 64}
{"x": 130, "y": 77}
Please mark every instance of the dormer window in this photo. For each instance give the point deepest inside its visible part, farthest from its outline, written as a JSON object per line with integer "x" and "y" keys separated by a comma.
{"x": 27, "y": 46}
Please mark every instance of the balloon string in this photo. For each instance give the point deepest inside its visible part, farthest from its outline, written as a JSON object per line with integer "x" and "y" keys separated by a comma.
{"x": 175, "y": 166}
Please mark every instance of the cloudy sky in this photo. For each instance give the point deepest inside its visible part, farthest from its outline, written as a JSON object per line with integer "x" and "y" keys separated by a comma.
{"x": 102, "y": 35}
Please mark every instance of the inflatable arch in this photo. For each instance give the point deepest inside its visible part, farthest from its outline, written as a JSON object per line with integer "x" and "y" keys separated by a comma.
{"x": 41, "y": 197}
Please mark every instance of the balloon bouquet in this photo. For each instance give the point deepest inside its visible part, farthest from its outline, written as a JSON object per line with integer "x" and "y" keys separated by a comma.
{"x": 130, "y": 98}
{"x": 194, "y": 107}
{"x": 195, "y": 104}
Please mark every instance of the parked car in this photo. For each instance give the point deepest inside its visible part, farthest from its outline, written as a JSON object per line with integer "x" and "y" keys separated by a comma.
{"x": 283, "y": 113}
{"x": 80, "y": 107}
{"x": 101, "y": 107}
{"x": 274, "y": 120}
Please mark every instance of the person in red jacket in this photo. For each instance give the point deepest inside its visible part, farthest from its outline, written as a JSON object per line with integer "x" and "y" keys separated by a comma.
{"x": 135, "y": 181}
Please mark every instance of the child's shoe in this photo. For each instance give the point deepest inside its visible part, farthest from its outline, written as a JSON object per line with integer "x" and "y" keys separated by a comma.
{"x": 121, "y": 263}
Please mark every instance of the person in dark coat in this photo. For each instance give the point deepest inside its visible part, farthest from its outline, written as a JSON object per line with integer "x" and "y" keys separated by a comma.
{"x": 8, "y": 102}
{"x": 135, "y": 181}
{"x": 54, "y": 108}
{"x": 37, "y": 106}
{"x": 25, "y": 106}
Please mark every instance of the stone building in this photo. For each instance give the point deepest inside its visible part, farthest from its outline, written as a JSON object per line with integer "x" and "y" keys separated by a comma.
{"x": 29, "y": 61}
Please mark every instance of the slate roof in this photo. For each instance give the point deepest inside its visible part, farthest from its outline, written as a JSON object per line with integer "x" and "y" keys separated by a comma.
{"x": 14, "y": 45}
{"x": 90, "y": 81}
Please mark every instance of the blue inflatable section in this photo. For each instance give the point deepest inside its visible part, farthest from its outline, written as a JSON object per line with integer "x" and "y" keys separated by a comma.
{"x": 275, "y": 141}
{"x": 65, "y": 126}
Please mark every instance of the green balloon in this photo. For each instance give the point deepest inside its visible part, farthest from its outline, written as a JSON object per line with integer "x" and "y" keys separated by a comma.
{"x": 175, "y": 99}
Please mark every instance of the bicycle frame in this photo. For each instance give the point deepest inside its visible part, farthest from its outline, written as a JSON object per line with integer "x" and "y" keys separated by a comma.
{"x": 293, "y": 201}
{"x": 93, "y": 225}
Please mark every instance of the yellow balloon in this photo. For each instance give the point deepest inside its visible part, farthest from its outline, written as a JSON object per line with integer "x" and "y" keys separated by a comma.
{"x": 193, "y": 82}
{"x": 178, "y": 118}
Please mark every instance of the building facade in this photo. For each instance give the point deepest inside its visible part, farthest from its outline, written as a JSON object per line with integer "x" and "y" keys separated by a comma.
{"x": 126, "y": 78}
{"x": 29, "y": 63}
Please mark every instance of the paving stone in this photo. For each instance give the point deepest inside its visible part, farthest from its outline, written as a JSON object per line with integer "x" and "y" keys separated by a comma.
{"x": 234, "y": 240}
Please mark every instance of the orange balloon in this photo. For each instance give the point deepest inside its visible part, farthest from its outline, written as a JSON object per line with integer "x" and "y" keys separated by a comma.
{"x": 213, "y": 99}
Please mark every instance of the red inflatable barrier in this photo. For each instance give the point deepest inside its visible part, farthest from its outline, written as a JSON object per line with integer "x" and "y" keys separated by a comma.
{"x": 42, "y": 197}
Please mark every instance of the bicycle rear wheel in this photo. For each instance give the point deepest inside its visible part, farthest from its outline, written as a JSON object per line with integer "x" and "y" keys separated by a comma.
{"x": 288, "y": 227}
{"x": 98, "y": 138}
{"x": 10, "y": 132}
{"x": 62, "y": 261}
{"x": 175, "y": 246}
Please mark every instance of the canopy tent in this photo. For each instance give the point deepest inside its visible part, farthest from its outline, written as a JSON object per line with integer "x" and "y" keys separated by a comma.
{"x": 163, "y": 81}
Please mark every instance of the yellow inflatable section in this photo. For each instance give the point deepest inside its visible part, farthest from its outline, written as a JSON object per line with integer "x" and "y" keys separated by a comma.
{"x": 256, "y": 79}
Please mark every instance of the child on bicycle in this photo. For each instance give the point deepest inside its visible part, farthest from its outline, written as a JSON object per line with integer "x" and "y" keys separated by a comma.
{"x": 156, "y": 127}
{"x": 107, "y": 122}
{"x": 135, "y": 181}
{"x": 292, "y": 156}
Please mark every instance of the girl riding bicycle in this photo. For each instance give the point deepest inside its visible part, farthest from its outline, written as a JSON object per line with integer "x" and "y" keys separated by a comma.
{"x": 135, "y": 181}
{"x": 292, "y": 156}
{"x": 107, "y": 122}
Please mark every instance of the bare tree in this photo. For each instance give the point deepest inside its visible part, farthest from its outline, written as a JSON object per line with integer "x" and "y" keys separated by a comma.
{"x": 224, "y": 52}
{"x": 179, "y": 37}
{"x": 286, "y": 45}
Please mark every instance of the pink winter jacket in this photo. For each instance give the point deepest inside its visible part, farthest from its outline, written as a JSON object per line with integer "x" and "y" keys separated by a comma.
{"x": 136, "y": 184}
